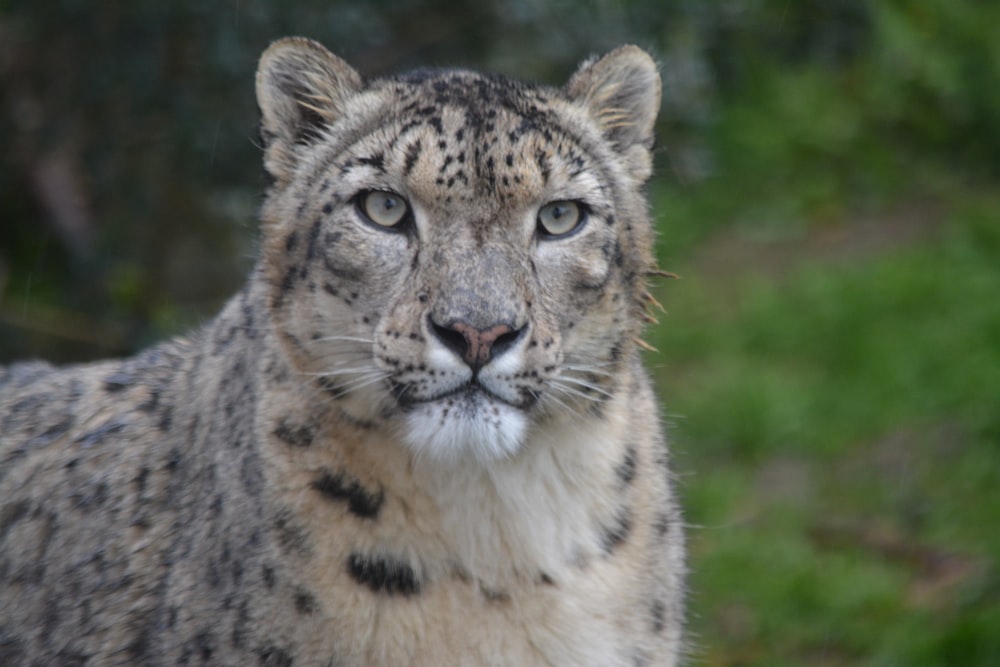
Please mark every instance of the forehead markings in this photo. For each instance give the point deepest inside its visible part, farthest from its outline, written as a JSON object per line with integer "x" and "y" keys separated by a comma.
{"x": 429, "y": 95}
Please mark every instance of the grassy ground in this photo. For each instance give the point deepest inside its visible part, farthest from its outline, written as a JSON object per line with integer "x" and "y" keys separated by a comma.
{"x": 834, "y": 387}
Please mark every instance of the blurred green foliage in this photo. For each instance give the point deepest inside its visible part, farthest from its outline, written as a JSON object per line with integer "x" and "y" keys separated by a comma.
{"x": 841, "y": 421}
{"x": 826, "y": 186}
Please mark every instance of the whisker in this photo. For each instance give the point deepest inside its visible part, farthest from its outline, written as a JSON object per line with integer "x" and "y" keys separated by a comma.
{"x": 586, "y": 385}
{"x": 346, "y": 371}
{"x": 587, "y": 364}
{"x": 360, "y": 383}
{"x": 354, "y": 380}
{"x": 549, "y": 396}
{"x": 335, "y": 362}
{"x": 569, "y": 390}
{"x": 590, "y": 370}
{"x": 344, "y": 339}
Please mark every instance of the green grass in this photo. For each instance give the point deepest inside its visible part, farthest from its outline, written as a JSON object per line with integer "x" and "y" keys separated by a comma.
{"x": 837, "y": 428}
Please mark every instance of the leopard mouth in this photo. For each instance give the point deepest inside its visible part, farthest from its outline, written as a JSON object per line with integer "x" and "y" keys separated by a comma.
{"x": 470, "y": 393}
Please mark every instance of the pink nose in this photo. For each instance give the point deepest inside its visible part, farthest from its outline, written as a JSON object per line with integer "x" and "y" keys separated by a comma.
{"x": 476, "y": 346}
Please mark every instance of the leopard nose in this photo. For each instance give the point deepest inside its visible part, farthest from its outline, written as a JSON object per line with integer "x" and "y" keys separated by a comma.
{"x": 476, "y": 346}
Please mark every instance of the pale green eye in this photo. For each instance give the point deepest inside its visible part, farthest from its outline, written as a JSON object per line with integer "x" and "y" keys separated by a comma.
{"x": 560, "y": 218}
{"x": 385, "y": 209}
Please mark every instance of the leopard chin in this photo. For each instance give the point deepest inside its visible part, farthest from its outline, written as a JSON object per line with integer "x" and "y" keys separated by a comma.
{"x": 463, "y": 426}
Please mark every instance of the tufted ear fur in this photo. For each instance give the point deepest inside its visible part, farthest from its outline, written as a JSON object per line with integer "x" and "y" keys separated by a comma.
{"x": 300, "y": 87}
{"x": 621, "y": 91}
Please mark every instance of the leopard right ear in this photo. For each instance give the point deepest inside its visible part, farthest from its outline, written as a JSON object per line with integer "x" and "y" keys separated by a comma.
{"x": 621, "y": 91}
{"x": 301, "y": 87}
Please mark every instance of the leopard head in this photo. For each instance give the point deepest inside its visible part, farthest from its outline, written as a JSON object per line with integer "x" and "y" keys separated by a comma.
{"x": 456, "y": 255}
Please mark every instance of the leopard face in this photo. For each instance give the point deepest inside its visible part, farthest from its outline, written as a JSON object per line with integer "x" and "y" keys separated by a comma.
{"x": 455, "y": 254}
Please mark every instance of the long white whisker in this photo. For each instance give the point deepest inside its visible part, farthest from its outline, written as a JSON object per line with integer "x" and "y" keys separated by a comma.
{"x": 587, "y": 385}
{"x": 352, "y": 381}
{"x": 569, "y": 390}
{"x": 549, "y": 396}
{"x": 360, "y": 383}
{"x": 347, "y": 371}
{"x": 589, "y": 370}
{"x": 345, "y": 339}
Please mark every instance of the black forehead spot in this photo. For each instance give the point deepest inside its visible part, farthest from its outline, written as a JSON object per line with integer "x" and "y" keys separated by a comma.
{"x": 481, "y": 97}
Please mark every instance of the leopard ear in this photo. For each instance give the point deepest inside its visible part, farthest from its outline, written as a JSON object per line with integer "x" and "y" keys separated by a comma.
{"x": 621, "y": 90}
{"x": 300, "y": 88}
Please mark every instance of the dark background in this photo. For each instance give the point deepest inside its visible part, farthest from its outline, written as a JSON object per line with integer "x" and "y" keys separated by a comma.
{"x": 826, "y": 184}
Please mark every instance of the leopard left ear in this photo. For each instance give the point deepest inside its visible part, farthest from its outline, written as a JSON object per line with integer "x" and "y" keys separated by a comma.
{"x": 300, "y": 88}
{"x": 621, "y": 90}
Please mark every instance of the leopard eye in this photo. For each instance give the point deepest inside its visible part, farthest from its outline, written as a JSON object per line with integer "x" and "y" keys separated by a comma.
{"x": 385, "y": 209}
{"x": 560, "y": 218}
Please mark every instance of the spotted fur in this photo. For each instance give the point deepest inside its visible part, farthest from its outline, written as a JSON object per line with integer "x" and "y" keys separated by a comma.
{"x": 428, "y": 442}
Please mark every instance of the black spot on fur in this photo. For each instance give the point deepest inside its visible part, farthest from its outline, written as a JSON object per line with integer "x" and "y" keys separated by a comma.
{"x": 658, "y": 613}
{"x": 544, "y": 166}
{"x": 140, "y": 649}
{"x": 166, "y": 419}
{"x": 383, "y": 574}
{"x": 291, "y": 536}
{"x": 70, "y": 658}
{"x": 151, "y": 403}
{"x": 12, "y": 514}
{"x": 141, "y": 478}
{"x": 90, "y": 497}
{"x": 241, "y": 629}
{"x": 267, "y": 574}
{"x": 223, "y": 339}
{"x": 52, "y": 433}
{"x": 305, "y": 603}
{"x": 98, "y": 435}
{"x": 627, "y": 468}
{"x": 274, "y": 656}
{"x": 201, "y": 646}
{"x": 287, "y": 283}
{"x": 252, "y": 473}
{"x": 360, "y": 423}
{"x": 340, "y": 488}
{"x": 311, "y": 241}
{"x": 662, "y": 524}
{"x": 412, "y": 155}
{"x": 330, "y": 387}
{"x": 118, "y": 381}
{"x": 173, "y": 461}
{"x": 615, "y": 535}
{"x": 291, "y": 434}
{"x": 376, "y": 161}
